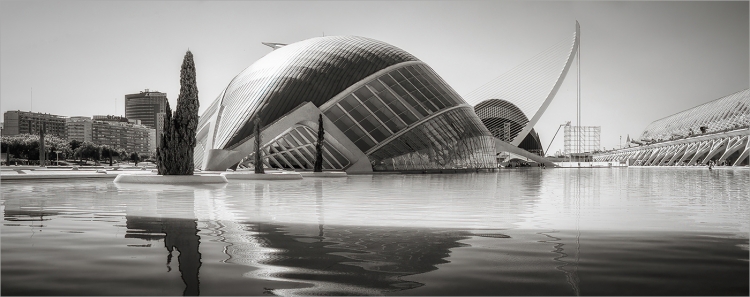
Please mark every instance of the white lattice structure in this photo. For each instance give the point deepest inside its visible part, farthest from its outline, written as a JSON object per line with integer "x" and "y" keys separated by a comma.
{"x": 582, "y": 139}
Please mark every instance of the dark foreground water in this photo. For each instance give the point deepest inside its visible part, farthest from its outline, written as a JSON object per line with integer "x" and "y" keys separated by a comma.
{"x": 636, "y": 231}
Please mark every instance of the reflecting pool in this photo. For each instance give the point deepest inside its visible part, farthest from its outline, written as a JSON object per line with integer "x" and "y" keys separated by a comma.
{"x": 626, "y": 231}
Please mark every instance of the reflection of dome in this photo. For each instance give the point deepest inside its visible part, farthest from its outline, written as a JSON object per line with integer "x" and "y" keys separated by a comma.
{"x": 505, "y": 120}
{"x": 393, "y": 109}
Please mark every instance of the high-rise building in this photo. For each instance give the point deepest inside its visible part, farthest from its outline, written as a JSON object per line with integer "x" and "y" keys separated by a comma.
{"x": 149, "y": 107}
{"x": 24, "y": 122}
{"x": 118, "y": 134}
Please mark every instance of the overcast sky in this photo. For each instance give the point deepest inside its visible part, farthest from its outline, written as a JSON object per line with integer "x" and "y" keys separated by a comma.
{"x": 641, "y": 61}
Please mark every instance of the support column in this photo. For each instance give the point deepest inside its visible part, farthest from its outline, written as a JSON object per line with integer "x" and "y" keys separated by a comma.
{"x": 715, "y": 149}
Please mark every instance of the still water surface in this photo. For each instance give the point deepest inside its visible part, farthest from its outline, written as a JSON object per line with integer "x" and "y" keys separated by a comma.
{"x": 634, "y": 231}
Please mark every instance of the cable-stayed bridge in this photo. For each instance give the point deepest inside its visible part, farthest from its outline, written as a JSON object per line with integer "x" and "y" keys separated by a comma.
{"x": 512, "y": 103}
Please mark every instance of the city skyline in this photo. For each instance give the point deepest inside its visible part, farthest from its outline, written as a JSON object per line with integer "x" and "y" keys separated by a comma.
{"x": 641, "y": 61}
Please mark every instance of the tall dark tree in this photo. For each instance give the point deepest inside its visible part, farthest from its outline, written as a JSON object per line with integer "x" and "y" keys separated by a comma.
{"x": 258, "y": 158}
{"x": 175, "y": 154}
{"x": 134, "y": 158}
{"x": 164, "y": 154}
{"x": 108, "y": 152}
{"x": 319, "y": 146}
{"x": 42, "y": 149}
{"x": 185, "y": 122}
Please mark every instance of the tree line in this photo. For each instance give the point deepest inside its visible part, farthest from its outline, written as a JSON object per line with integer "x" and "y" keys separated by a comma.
{"x": 26, "y": 147}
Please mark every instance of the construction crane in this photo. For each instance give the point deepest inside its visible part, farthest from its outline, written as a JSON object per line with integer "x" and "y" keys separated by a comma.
{"x": 558, "y": 130}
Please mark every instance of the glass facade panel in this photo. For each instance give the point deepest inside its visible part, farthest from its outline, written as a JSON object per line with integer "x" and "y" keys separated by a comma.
{"x": 344, "y": 123}
{"x": 406, "y": 83}
{"x": 369, "y": 123}
{"x": 334, "y": 113}
{"x": 397, "y": 76}
{"x": 395, "y": 125}
{"x": 359, "y": 112}
{"x": 374, "y": 104}
{"x": 411, "y": 101}
{"x": 451, "y": 140}
{"x": 394, "y": 103}
{"x": 348, "y": 103}
{"x": 363, "y": 93}
{"x": 379, "y": 133}
{"x": 364, "y": 143}
{"x": 354, "y": 132}
{"x": 377, "y": 85}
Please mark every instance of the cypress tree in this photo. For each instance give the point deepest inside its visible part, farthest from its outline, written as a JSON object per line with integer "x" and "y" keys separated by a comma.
{"x": 185, "y": 122}
{"x": 258, "y": 158}
{"x": 175, "y": 153}
{"x": 164, "y": 152}
{"x": 319, "y": 146}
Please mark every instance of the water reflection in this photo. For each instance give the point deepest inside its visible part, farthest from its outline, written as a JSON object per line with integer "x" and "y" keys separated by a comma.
{"x": 177, "y": 234}
{"x": 571, "y": 274}
{"x": 348, "y": 260}
{"x": 176, "y": 225}
{"x": 330, "y": 259}
{"x": 512, "y": 232}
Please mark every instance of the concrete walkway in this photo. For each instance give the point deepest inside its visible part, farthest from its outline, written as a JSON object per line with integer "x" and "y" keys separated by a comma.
{"x": 22, "y": 173}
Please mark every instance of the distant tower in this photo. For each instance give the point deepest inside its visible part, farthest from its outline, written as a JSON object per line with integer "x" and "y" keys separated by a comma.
{"x": 149, "y": 107}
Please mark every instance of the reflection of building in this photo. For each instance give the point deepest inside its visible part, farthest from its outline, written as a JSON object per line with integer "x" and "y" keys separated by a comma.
{"x": 24, "y": 122}
{"x": 340, "y": 260}
{"x": 113, "y": 132}
{"x": 383, "y": 109}
{"x": 149, "y": 107}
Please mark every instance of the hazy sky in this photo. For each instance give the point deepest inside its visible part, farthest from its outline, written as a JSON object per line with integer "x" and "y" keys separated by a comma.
{"x": 641, "y": 61}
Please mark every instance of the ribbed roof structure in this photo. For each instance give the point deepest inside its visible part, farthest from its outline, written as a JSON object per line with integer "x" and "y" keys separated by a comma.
{"x": 726, "y": 113}
{"x": 313, "y": 70}
{"x": 497, "y": 113}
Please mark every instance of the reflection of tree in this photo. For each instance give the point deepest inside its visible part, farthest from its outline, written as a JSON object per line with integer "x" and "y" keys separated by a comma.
{"x": 175, "y": 223}
{"x": 180, "y": 234}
